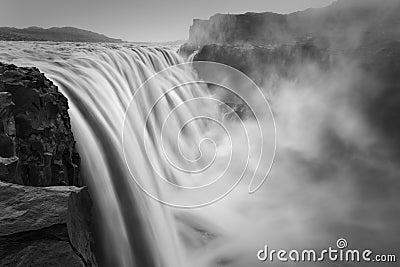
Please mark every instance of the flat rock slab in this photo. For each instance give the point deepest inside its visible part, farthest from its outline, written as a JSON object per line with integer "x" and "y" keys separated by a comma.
{"x": 25, "y": 208}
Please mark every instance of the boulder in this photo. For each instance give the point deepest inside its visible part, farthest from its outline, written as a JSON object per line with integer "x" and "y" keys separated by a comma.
{"x": 36, "y": 141}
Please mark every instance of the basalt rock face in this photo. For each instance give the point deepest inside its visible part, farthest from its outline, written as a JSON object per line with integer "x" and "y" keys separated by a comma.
{"x": 344, "y": 23}
{"x": 36, "y": 141}
{"x": 267, "y": 42}
{"x": 239, "y": 29}
{"x": 37, "y": 149}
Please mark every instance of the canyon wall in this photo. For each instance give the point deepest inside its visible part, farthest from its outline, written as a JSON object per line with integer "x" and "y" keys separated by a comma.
{"x": 361, "y": 35}
{"x": 343, "y": 24}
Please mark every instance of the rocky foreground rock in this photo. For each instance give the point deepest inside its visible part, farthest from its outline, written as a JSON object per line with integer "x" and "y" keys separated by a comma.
{"x": 46, "y": 226}
{"x": 37, "y": 146}
{"x": 33, "y": 229}
{"x": 45, "y": 217}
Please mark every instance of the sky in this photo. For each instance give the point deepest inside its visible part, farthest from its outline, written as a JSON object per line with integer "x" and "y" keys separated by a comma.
{"x": 133, "y": 20}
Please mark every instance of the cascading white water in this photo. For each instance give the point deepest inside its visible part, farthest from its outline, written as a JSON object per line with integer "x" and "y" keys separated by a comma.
{"x": 100, "y": 86}
{"x": 313, "y": 197}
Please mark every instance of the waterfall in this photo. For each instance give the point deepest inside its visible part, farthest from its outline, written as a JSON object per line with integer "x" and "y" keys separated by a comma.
{"x": 137, "y": 231}
{"x": 100, "y": 88}
{"x": 154, "y": 145}
{"x": 154, "y": 148}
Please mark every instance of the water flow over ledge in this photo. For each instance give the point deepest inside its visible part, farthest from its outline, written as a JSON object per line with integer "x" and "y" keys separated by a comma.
{"x": 99, "y": 87}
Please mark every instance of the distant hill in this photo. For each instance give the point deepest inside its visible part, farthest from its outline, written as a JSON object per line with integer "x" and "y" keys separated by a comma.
{"x": 56, "y": 34}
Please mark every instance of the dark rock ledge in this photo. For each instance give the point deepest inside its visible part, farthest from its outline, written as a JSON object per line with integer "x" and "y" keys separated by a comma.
{"x": 37, "y": 146}
{"x": 45, "y": 217}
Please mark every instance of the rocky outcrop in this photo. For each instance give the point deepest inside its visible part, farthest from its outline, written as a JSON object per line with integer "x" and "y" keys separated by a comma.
{"x": 36, "y": 141}
{"x": 268, "y": 47}
{"x": 33, "y": 230}
{"x": 365, "y": 33}
{"x": 259, "y": 44}
{"x": 241, "y": 28}
{"x": 344, "y": 23}
{"x": 37, "y": 148}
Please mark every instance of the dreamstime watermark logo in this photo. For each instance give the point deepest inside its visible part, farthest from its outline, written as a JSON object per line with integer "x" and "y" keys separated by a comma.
{"x": 340, "y": 253}
{"x": 169, "y": 110}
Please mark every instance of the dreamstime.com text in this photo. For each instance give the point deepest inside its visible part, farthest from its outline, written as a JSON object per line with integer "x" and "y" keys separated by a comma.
{"x": 338, "y": 254}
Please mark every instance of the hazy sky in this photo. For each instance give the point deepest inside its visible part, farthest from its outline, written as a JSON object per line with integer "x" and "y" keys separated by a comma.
{"x": 135, "y": 20}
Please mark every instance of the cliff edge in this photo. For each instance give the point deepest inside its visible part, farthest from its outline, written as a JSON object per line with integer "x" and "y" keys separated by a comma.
{"x": 343, "y": 24}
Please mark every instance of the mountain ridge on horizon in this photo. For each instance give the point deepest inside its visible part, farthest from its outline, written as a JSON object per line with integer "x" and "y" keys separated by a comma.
{"x": 55, "y": 34}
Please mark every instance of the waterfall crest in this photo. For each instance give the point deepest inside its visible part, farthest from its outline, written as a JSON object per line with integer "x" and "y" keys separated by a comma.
{"x": 100, "y": 86}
